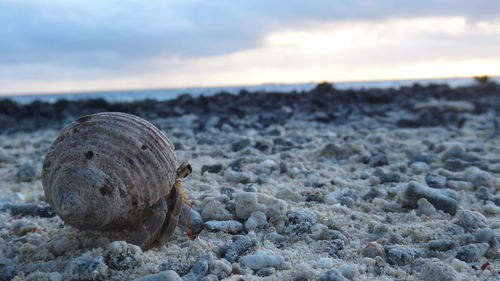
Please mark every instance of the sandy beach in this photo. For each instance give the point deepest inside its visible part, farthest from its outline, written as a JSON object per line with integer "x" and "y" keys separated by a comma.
{"x": 374, "y": 184}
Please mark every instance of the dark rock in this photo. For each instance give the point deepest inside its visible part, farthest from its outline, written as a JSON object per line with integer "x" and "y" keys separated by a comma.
{"x": 386, "y": 177}
{"x": 28, "y": 209}
{"x": 347, "y": 201}
{"x": 228, "y": 191}
{"x": 472, "y": 252}
{"x": 302, "y": 216}
{"x": 27, "y": 172}
{"x": 439, "y": 198}
{"x": 199, "y": 269}
{"x": 332, "y": 247}
{"x": 265, "y": 271}
{"x": 470, "y": 220}
{"x": 239, "y": 246}
{"x": 483, "y": 193}
{"x": 401, "y": 255}
{"x": 441, "y": 245}
{"x": 428, "y": 159}
{"x": 332, "y": 275}
{"x": 372, "y": 194}
{"x": 435, "y": 181}
{"x": 237, "y": 165}
{"x": 240, "y": 145}
{"x": 378, "y": 160}
{"x": 211, "y": 168}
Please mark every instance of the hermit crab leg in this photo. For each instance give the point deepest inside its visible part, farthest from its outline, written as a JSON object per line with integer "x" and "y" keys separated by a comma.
{"x": 149, "y": 229}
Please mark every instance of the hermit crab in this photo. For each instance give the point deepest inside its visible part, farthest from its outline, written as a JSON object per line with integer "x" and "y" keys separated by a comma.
{"x": 116, "y": 171}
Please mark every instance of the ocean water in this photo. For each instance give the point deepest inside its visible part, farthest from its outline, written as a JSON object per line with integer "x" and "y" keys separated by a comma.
{"x": 166, "y": 94}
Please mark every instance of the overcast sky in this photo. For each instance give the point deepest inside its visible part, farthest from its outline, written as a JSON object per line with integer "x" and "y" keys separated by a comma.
{"x": 64, "y": 46}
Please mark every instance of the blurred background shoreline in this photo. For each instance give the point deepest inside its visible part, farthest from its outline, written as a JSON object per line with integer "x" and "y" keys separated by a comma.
{"x": 172, "y": 93}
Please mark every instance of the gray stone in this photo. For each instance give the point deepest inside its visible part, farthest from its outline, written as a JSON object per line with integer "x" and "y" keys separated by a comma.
{"x": 199, "y": 269}
{"x": 262, "y": 259}
{"x": 401, "y": 255}
{"x": 239, "y": 245}
{"x": 470, "y": 220}
{"x": 332, "y": 275}
{"x": 435, "y": 270}
{"x": 230, "y": 226}
{"x": 302, "y": 216}
{"x": 441, "y": 245}
{"x": 27, "y": 172}
{"x": 214, "y": 169}
{"x": 486, "y": 235}
{"x": 256, "y": 220}
{"x": 240, "y": 145}
{"x": 378, "y": 160}
{"x": 28, "y": 209}
{"x": 472, "y": 252}
{"x": 439, "y": 198}
{"x": 168, "y": 275}
{"x": 386, "y": 177}
{"x": 86, "y": 267}
{"x": 435, "y": 181}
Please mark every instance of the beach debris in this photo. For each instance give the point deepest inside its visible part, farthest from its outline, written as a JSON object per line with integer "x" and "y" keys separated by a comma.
{"x": 230, "y": 226}
{"x": 262, "y": 259}
{"x": 114, "y": 171}
{"x": 239, "y": 245}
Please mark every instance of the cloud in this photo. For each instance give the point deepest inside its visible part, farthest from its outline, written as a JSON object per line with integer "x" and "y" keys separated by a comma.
{"x": 115, "y": 33}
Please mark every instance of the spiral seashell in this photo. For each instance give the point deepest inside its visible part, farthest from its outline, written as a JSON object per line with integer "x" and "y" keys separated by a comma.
{"x": 106, "y": 171}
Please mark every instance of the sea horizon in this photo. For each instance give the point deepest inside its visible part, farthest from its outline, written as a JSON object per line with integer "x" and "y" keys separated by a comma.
{"x": 171, "y": 93}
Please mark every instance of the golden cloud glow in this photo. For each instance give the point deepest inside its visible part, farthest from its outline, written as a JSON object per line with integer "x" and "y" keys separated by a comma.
{"x": 348, "y": 51}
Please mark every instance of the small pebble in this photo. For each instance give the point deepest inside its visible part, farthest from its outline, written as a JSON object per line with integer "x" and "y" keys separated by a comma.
{"x": 386, "y": 177}
{"x": 459, "y": 185}
{"x": 27, "y": 172}
{"x": 401, "y": 255}
{"x": 378, "y": 160}
{"x": 265, "y": 271}
{"x": 441, "y": 245}
{"x": 302, "y": 216}
{"x": 470, "y": 220}
{"x": 413, "y": 191}
{"x": 168, "y": 275}
{"x": 491, "y": 208}
{"x": 216, "y": 210}
{"x": 425, "y": 207}
{"x": 41, "y": 210}
{"x": 472, "y": 252}
{"x": 230, "y": 226}
{"x": 261, "y": 259}
{"x": 213, "y": 169}
{"x": 435, "y": 181}
{"x": 324, "y": 263}
{"x": 372, "y": 250}
{"x": 22, "y": 226}
{"x": 349, "y": 271}
{"x": 240, "y": 145}
{"x": 199, "y": 269}
{"x": 86, "y": 267}
{"x": 221, "y": 268}
{"x": 419, "y": 167}
{"x": 332, "y": 275}
{"x": 239, "y": 245}
{"x": 435, "y": 270}
{"x": 249, "y": 202}
{"x": 256, "y": 220}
